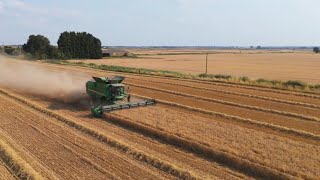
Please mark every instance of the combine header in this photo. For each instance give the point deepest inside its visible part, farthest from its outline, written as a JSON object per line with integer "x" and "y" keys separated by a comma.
{"x": 110, "y": 94}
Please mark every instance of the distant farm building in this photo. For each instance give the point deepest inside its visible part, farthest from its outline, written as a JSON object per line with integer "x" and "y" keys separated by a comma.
{"x": 115, "y": 53}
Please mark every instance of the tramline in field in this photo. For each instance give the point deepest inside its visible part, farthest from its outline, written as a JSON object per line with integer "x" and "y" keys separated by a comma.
{"x": 109, "y": 94}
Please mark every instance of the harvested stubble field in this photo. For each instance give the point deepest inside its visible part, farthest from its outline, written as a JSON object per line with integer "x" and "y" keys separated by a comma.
{"x": 63, "y": 152}
{"x": 197, "y": 130}
{"x": 272, "y": 65}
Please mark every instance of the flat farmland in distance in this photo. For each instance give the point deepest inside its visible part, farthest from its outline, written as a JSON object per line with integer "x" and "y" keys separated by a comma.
{"x": 278, "y": 65}
{"x": 162, "y": 51}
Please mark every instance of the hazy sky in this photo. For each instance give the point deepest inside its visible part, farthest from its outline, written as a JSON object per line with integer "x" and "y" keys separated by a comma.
{"x": 166, "y": 22}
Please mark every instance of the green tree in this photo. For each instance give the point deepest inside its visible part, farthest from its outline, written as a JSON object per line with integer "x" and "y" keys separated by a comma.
{"x": 79, "y": 45}
{"x": 9, "y": 50}
{"x": 54, "y": 53}
{"x": 37, "y": 46}
{"x": 316, "y": 50}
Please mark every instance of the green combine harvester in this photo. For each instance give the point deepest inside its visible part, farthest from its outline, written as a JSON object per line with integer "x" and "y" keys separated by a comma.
{"x": 109, "y": 94}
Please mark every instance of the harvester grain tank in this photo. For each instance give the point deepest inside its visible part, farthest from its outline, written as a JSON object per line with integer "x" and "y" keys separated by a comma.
{"x": 109, "y": 94}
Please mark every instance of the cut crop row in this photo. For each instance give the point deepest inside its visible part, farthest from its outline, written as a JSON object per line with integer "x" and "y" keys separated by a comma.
{"x": 238, "y": 94}
{"x": 231, "y": 161}
{"x": 289, "y": 114}
{"x": 277, "y": 128}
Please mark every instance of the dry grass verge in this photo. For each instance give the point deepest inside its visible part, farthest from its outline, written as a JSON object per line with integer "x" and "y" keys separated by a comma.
{"x": 292, "y": 85}
{"x": 278, "y": 90}
{"x": 235, "y": 85}
{"x": 122, "y": 147}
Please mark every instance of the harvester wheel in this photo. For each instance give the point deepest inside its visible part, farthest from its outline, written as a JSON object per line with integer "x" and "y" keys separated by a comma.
{"x": 97, "y": 111}
{"x": 128, "y": 98}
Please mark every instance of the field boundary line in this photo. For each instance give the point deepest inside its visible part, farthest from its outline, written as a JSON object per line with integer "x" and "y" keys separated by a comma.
{"x": 289, "y": 114}
{"x": 240, "y": 94}
{"x": 120, "y": 146}
{"x": 273, "y": 127}
{"x": 17, "y": 165}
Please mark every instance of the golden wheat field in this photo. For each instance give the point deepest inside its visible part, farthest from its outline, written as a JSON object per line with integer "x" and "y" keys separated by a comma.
{"x": 272, "y": 65}
{"x": 197, "y": 130}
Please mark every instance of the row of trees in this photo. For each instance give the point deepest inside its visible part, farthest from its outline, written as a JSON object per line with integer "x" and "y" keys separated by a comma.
{"x": 71, "y": 45}
{"x": 80, "y": 45}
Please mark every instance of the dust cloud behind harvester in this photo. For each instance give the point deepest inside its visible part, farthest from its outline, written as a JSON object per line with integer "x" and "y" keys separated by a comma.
{"x": 40, "y": 81}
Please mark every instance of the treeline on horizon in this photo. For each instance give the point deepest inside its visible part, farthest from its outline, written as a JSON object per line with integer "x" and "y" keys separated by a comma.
{"x": 71, "y": 45}
{"x": 83, "y": 45}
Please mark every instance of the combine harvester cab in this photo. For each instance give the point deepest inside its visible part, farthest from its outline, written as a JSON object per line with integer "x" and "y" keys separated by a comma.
{"x": 111, "y": 94}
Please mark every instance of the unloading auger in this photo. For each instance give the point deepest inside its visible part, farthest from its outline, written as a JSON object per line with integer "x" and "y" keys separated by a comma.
{"x": 109, "y": 94}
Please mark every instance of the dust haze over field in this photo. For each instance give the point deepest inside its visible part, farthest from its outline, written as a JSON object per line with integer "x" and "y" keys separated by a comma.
{"x": 39, "y": 81}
